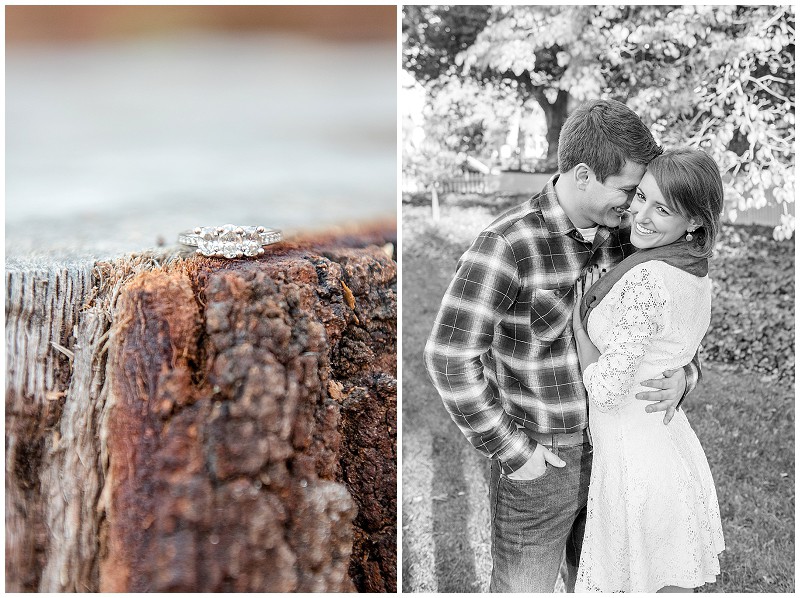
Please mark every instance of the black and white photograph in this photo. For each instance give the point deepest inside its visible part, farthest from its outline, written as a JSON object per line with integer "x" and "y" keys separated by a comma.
{"x": 597, "y": 274}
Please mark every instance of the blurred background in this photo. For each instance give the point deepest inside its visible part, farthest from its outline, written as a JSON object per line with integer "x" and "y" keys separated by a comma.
{"x": 128, "y": 124}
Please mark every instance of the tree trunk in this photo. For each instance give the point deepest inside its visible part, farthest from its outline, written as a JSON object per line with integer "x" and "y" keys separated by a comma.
{"x": 519, "y": 149}
{"x": 203, "y": 424}
{"x": 555, "y": 115}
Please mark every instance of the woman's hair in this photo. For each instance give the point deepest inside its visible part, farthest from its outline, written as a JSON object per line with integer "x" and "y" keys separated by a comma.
{"x": 690, "y": 182}
{"x": 603, "y": 134}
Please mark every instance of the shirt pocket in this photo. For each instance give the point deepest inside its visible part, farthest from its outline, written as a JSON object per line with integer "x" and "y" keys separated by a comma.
{"x": 550, "y": 311}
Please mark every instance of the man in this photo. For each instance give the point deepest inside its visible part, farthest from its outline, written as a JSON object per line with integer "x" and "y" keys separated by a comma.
{"x": 502, "y": 356}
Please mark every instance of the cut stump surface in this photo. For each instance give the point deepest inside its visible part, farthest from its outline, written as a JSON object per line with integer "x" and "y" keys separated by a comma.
{"x": 206, "y": 424}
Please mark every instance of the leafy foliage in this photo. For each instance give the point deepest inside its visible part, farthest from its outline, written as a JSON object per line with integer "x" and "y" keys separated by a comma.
{"x": 752, "y": 316}
{"x": 434, "y": 35}
{"x": 463, "y": 118}
{"x": 720, "y": 78}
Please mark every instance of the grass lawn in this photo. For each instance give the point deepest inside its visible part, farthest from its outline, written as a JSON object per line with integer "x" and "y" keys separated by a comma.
{"x": 743, "y": 415}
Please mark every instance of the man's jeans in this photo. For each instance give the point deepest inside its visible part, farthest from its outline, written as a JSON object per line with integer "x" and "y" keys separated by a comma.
{"x": 532, "y": 522}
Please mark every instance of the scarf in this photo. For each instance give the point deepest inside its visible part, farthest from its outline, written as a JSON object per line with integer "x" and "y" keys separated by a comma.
{"x": 675, "y": 254}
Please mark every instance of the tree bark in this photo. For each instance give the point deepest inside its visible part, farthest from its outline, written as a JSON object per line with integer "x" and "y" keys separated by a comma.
{"x": 203, "y": 424}
{"x": 555, "y": 115}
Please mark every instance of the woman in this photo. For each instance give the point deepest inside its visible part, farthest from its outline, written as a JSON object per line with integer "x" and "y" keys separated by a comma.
{"x": 653, "y": 520}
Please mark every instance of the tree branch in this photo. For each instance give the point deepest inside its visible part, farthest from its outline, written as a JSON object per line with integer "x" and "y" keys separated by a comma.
{"x": 767, "y": 89}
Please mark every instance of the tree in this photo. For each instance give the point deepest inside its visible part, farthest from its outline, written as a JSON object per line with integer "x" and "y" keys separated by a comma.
{"x": 434, "y": 35}
{"x": 527, "y": 49}
{"x": 457, "y": 108}
{"x": 437, "y": 40}
{"x": 720, "y": 78}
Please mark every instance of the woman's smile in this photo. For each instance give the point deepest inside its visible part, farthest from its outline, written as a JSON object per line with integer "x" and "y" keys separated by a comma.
{"x": 644, "y": 231}
{"x": 655, "y": 221}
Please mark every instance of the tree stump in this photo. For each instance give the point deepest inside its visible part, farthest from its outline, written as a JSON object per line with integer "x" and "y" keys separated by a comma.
{"x": 203, "y": 424}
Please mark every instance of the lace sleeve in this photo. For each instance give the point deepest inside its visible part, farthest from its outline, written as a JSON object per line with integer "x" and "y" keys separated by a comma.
{"x": 638, "y": 315}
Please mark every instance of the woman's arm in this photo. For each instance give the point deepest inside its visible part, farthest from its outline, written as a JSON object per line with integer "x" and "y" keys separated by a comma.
{"x": 640, "y": 309}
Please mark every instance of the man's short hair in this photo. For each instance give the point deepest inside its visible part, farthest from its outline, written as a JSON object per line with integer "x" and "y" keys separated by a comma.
{"x": 603, "y": 134}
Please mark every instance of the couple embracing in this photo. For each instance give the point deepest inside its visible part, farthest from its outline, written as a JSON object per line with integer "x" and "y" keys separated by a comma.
{"x": 563, "y": 349}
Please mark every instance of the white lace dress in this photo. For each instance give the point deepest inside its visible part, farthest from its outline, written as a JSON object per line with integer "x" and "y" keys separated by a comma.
{"x": 652, "y": 516}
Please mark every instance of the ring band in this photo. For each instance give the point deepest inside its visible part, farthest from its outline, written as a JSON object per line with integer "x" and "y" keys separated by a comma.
{"x": 230, "y": 240}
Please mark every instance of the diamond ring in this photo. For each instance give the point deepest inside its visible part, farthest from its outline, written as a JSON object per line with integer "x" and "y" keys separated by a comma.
{"x": 230, "y": 240}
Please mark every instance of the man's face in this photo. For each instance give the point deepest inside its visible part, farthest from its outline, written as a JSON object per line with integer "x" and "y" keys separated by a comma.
{"x": 605, "y": 203}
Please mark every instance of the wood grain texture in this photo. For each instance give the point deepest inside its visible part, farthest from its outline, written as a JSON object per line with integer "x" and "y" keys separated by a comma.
{"x": 205, "y": 425}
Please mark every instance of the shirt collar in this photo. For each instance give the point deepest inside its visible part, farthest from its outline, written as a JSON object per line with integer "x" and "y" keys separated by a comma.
{"x": 555, "y": 218}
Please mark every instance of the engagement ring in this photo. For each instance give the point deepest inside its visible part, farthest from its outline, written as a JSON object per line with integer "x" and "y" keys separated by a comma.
{"x": 230, "y": 240}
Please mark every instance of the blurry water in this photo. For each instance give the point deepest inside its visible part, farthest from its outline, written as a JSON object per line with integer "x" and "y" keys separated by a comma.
{"x": 111, "y": 145}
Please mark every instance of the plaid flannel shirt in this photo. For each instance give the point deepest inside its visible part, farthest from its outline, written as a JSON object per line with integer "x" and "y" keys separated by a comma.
{"x": 501, "y": 353}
